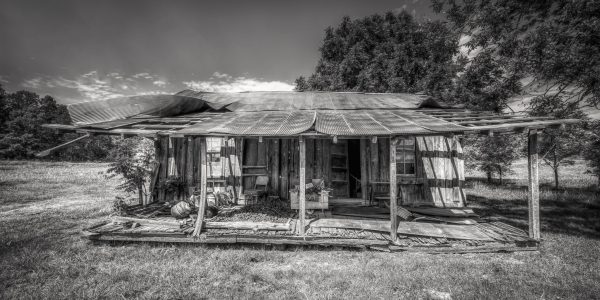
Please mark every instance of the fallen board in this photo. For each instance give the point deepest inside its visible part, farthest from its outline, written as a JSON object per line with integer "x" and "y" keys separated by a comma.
{"x": 460, "y": 232}
{"x": 443, "y": 212}
{"x": 449, "y": 220}
{"x": 464, "y": 232}
{"x": 374, "y": 225}
{"x": 248, "y": 225}
{"x": 362, "y": 212}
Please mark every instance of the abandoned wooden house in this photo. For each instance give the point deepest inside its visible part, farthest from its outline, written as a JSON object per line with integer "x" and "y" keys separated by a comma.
{"x": 360, "y": 149}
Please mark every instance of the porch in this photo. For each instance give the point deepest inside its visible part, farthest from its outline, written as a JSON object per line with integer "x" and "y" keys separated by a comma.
{"x": 345, "y": 224}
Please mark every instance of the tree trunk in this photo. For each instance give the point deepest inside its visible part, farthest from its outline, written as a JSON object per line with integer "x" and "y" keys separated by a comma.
{"x": 489, "y": 176}
{"x": 555, "y": 168}
{"x": 140, "y": 194}
{"x": 500, "y": 174}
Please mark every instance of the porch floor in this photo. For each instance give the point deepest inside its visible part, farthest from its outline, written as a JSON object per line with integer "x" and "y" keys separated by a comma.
{"x": 153, "y": 224}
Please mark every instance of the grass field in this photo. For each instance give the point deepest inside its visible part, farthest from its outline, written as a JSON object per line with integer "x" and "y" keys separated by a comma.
{"x": 44, "y": 205}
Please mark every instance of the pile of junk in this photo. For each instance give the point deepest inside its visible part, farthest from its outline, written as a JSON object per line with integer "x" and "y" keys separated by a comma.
{"x": 214, "y": 201}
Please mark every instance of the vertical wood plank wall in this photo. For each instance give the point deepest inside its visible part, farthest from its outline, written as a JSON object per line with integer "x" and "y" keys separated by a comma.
{"x": 439, "y": 164}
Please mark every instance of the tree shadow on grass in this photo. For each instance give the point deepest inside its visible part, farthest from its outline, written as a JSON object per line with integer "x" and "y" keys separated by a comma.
{"x": 573, "y": 211}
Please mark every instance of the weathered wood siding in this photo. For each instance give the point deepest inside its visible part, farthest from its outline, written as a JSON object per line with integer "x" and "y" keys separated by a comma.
{"x": 443, "y": 170}
{"x": 439, "y": 167}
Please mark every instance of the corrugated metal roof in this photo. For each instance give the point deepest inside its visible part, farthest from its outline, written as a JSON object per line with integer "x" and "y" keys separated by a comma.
{"x": 216, "y": 101}
{"x": 271, "y": 123}
{"x": 368, "y": 122}
{"x": 334, "y": 122}
{"x": 429, "y": 122}
{"x": 262, "y": 101}
{"x": 126, "y": 107}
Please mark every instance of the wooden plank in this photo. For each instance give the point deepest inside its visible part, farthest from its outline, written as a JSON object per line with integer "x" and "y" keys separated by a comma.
{"x": 444, "y": 212}
{"x": 246, "y": 225}
{"x": 531, "y": 124}
{"x": 462, "y": 232}
{"x": 163, "y": 159}
{"x": 48, "y": 151}
{"x": 284, "y": 168}
{"x": 364, "y": 162}
{"x": 274, "y": 165}
{"x": 463, "y": 250}
{"x": 319, "y": 156}
{"x": 302, "y": 196}
{"x": 310, "y": 155}
{"x": 189, "y": 167}
{"x": 533, "y": 187}
{"x": 374, "y": 225}
{"x": 501, "y": 121}
{"x": 169, "y": 223}
{"x": 202, "y": 204}
{"x": 393, "y": 189}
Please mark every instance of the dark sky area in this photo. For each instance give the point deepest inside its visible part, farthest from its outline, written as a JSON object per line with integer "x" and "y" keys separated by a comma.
{"x": 79, "y": 50}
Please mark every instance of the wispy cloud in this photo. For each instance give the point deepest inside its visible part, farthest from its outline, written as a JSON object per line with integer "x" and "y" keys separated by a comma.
{"x": 95, "y": 86}
{"x": 159, "y": 83}
{"x": 33, "y": 83}
{"x": 3, "y": 80}
{"x": 220, "y": 82}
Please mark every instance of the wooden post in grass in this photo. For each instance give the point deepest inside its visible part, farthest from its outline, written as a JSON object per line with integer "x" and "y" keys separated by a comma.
{"x": 302, "y": 188}
{"x": 202, "y": 205}
{"x": 393, "y": 190}
{"x": 533, "y": 188}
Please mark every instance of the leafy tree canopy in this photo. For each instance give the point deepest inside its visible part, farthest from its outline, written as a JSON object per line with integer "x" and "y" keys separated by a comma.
{"x": 554, "y": 42}
{"x": 22, "y": 115}
{"x": 390, "y": 53}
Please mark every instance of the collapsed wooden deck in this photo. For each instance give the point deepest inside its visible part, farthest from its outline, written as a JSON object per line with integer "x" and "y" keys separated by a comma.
{"x": 329, "y": 230}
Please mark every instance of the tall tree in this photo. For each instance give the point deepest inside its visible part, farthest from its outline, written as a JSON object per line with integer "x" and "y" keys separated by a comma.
{"x": 22, "y": 115}
{"x": 493, "y": 155}
{"x": 559, "y": 146}
{"x": 555, "y": 43}
{"x": 592, "y": 149}
{"x": 390, "y": 53}
{"x": 301, "y": 84}
{"x": 484, "y": 85}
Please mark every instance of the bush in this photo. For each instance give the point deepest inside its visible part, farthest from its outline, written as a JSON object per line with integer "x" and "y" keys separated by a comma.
{"x": 134, "y": 160}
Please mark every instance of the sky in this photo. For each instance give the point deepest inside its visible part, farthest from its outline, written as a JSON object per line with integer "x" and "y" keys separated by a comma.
{"x": 81, "y": 50}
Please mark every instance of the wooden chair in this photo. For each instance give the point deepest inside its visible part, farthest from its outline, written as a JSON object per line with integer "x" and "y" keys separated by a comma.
{"x": 379, "y": 197}
{"x": 260, "y": 189}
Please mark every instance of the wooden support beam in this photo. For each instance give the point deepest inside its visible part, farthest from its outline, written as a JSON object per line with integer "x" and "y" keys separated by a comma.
{"x": 189, "y": 167}
{"x": 302, "y": 196}
{"x": 393, "y": 190}
{"x": 202, "y": 205}
{"x": 364, "y": 165}
{"x": 533, "y": 187}
{"x": 48, "y": 151}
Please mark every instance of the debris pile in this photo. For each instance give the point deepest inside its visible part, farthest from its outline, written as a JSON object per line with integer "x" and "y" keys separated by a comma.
{"x": 262, "y": 211}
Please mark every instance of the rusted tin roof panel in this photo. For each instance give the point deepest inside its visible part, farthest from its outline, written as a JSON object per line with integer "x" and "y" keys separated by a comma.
{"x": 126, "y": 107}
{"x": 216, "y": 101}
{"x": 366, "y": 122}
{"x": 262, "y": 101}
{"x": 269, "y": 123}
{"x": 429, "y": 122}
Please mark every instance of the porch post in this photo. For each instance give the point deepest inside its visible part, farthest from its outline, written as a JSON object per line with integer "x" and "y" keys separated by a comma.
{"x": 533, "y": 188}
{"x": 302, "y": 197}
{"x": 202, "y": 205}
{"x": 393, "y": 190}
{"x": 364, "y": 180}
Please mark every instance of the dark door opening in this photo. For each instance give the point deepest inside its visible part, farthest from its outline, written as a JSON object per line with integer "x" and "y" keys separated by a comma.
{"x": 354, "y": 185}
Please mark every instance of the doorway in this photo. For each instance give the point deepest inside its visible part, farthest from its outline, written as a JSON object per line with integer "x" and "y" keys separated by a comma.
{"x": 345, "y": 169}
{"x": 354, "y": 186}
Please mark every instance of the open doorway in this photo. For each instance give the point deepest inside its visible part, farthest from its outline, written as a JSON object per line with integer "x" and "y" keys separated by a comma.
{"x": 354, "y": 186}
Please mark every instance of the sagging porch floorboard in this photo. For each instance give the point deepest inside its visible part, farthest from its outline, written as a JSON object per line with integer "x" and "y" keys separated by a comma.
{"x": 421, "y": 237}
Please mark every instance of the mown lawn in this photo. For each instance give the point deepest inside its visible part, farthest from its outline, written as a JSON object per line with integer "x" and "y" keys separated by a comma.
{"x": 44, "y": 205}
